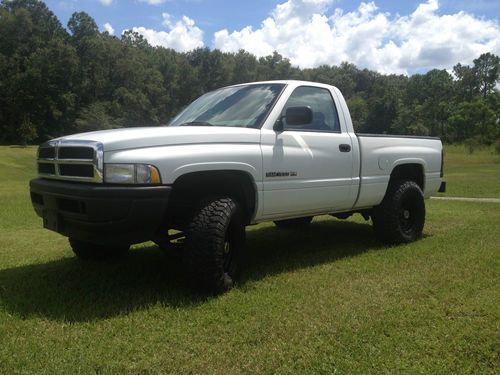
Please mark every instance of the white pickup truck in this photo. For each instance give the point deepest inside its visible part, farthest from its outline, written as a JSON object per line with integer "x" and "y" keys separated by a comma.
{"x": 280, "y": 150}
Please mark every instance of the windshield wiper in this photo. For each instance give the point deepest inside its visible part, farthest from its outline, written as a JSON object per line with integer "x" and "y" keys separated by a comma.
{"x": 196, "y": 123}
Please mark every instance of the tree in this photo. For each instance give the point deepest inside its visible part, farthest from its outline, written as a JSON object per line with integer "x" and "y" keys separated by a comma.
{"x": 245, "y": 67}
{"x": 384, "y": 103}
{"x": 53, "y": 82}
{"x": 95, "y": 117}
{"x": 487, "y": 72}
{"x": 410, "y": 120}
{"x": 274, "y": 66}
{"x": 437, "y": 89}
{"x": 37, "y": 76}
{"x": 82, "y": 26}
{"x": 26, "y": 25}
{"x": 359, "y": 112}
{"x": 467, "y": 83}
{"x": 474, "y": 119}
{"x": 133, "y": 38}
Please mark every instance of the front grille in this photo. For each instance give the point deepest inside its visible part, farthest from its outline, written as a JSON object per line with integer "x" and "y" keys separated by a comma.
{"x": 75, "y": 170}
{"x": 47, "y": 152}
{"x": 76, "y": 153}
{"x": 45, "y": 168}
{"x": 71, "y": 160}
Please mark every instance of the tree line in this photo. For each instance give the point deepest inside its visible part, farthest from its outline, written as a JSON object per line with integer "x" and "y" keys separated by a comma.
{"x": 56, "y": 81}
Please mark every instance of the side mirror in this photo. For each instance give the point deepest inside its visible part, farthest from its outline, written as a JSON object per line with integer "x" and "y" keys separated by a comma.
{"x": 298, "y": 116}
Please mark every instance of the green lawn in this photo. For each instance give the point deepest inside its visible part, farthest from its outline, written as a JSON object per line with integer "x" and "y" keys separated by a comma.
{"x": 471, "y": 175}
{"x": 327, "y": 300}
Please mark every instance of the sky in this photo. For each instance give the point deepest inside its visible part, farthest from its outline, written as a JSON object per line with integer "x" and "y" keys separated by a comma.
{"x": 389, "y": 36}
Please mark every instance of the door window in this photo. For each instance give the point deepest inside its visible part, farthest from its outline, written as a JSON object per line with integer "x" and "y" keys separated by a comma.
{"x": 325, "y": 117}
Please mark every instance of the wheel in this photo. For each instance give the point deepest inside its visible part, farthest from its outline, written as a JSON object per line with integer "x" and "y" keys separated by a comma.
{"x": 401, "y": 215}
{"x": 89, "y": 251}
{"x": 294, "y": 223}
{"x": 215, "y": 239}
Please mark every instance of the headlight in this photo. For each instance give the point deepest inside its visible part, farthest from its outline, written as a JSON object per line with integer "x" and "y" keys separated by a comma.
{"x": 131, "y": 174}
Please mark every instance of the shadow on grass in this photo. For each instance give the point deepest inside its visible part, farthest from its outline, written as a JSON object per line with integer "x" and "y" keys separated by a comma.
{"x": 271, "y": 250}
{"x": 71, "y": 290}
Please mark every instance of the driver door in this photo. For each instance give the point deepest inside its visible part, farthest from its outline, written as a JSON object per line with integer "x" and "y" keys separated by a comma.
{"x": 308, "y": 169}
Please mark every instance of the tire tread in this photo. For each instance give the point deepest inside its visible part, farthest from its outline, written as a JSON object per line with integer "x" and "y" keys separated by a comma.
{"x": 385, "y": 217}
{"x": 206, "y": 234}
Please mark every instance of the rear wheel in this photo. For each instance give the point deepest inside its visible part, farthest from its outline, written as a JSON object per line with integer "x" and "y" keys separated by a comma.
{"x": 294, "y": 223}
{"x": 89, "y": 251}
{"x": 215, "y": 240}
{"x": 401, "y": 215}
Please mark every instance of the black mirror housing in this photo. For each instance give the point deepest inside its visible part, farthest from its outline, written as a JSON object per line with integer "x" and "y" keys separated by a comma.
{"x": 278, "y": 125}
{"x": 298, "y": 116}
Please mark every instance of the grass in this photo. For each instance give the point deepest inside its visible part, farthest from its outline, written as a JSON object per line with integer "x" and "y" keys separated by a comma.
{"x": 330, "y": 299}
{"x": 472, "y": 175}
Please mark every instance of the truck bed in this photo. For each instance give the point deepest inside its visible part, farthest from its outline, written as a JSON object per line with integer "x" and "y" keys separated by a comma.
{"x": 381, "y": 153}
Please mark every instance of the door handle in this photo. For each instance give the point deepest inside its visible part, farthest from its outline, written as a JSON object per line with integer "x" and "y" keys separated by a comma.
{"x": 344, "y": 147}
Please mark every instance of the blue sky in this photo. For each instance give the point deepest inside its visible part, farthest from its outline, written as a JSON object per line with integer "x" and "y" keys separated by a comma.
{"x": 386, "y": 35}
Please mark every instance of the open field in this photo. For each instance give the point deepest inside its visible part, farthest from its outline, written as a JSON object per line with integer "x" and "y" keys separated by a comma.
{"x": 330, "y": 299}
{"x": 471, "y": 175}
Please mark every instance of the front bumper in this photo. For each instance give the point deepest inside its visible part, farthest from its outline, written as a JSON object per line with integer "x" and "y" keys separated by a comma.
{"x": 101, "y": 214}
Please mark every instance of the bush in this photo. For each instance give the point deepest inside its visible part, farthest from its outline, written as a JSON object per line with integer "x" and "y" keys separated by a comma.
{"x": 472, "y": 144}
{"x": 26, "y": 132}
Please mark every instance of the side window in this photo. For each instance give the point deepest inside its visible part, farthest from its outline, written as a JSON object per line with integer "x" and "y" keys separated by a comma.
{"x": 320, "y": 101}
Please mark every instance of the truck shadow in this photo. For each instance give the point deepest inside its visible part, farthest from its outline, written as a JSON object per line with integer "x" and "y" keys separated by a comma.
{"x": 271, "y": 250}
{"x": 72, "y": 290}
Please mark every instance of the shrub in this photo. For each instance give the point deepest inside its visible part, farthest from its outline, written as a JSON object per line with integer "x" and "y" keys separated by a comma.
{"x": 26, "y": 132}
{"x": 472, "y": 144}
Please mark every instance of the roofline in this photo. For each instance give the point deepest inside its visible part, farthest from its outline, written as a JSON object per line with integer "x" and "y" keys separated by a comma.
{"x": 286, "y": 82}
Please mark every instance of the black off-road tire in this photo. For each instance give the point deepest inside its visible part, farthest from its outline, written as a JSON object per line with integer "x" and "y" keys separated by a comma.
{"x": 400, "y": 217}
{"x": 215, "y": 239}
{"x": 89, "y": 251}
{"x": 299, "y": 222}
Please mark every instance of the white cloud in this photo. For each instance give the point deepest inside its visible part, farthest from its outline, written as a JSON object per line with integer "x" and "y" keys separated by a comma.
{"x": 183, "y": 35}
{"x": 67, "y": 4}
{"x": 106, "y": 2}
{"x": 109, "y": 28}
{"x": 153, "y": 2}
{"x": 309, "y": 33}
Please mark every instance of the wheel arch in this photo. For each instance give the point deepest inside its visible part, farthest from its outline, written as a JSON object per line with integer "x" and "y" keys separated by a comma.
{"x": 412, "y": 170}
{"x": 193, "y": 186}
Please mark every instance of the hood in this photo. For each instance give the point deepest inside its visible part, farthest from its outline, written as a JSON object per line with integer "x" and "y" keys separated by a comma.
{"x": 129, "y": 138}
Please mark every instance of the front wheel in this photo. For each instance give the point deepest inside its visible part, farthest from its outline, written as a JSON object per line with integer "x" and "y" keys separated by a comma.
{"x": 215, "y": 240}
{"x": 89, "y": 251}
{"x": 401, "y": 215}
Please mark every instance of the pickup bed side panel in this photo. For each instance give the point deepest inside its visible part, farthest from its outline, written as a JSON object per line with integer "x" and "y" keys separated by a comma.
{"x": 380, "y": 155}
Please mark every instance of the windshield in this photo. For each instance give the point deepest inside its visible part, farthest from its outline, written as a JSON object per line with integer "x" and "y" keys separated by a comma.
{"x": 242, "y": 106}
